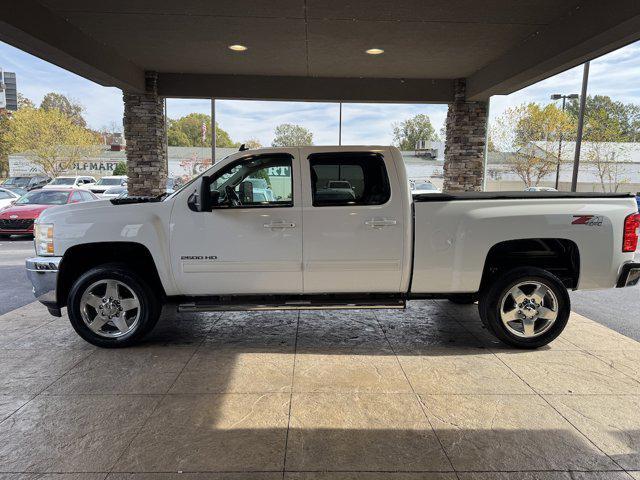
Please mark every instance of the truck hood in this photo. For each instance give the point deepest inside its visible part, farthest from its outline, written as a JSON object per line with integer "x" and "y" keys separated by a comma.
{"x": 95, "y": 209}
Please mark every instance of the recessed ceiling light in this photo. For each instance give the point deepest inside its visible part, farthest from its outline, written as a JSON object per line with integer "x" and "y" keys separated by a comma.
{"x": 375, "y": 51}
{"x": 237, "y": 48}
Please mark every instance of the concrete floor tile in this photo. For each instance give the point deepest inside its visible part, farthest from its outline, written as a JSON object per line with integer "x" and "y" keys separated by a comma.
{"x": 52, "y": 476}
{"x": 195, "y": 476}
{"x": 611, "y": 422}
{"x": 139, "y": 370}
{"x": 30, "y": 371}
{"x": 625, "y": 361}
{"x": 56, "y": 335}
{"x": 181, "y": 330}
{"x": 221, "y": 370}
{"x": 11, "y": 403}
{"x": 211, "y": 433}
{"x": 635, "y": 475}
{"x": 361, "y": 432}
{"x": 23, "y": 320}
{"x": 592, "y": 336}
{"x": 561, "y": 372}
{"x": 339, "y": 332}
{"x": 544, "y": 476}
{"x": 71, "y": 433}
{"x": 369, "y": 476}
{"x": 349, "y": 373}
{"x": 461, "y": 371}
{"x": 509, "y": 433}
{"x": 254, "y": 330}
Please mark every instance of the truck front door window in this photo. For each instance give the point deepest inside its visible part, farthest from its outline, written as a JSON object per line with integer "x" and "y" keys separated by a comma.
{"x": 263, "y": 181}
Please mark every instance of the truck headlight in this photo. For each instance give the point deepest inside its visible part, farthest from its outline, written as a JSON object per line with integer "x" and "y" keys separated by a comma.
{"x": 43, "y": 238}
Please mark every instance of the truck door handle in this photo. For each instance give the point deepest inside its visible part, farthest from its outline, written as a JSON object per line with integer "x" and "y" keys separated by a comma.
{"x": 280, "y": 225}
{"x": 379, "y": 223}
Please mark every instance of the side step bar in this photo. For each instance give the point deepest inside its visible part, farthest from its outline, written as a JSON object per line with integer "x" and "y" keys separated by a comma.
{"x": 230, "y": 303}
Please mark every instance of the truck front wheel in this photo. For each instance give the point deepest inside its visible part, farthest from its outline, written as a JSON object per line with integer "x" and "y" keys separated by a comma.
{"x": 526, "y": 307}
{"x": 111, "y": 306}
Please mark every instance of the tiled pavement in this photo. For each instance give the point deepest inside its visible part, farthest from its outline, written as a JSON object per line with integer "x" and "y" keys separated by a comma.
{"x": 421, "y": 394}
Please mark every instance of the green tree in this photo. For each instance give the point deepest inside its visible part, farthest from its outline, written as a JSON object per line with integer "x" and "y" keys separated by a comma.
{"x": 121, "y": 169}
{"x": 288, "y": 135}
{"x": 71, "y": 108}
{"x": 407, "y": 133}
{"x": 187, "y": 132}
{"x": 527, "y": 135}
{"x": 623, "y": 118}
{"x": 24, "y": 102}
{"x": 252, "y": 143}
{"x": 50, "y": 139}
{"x": 5, "y": 145}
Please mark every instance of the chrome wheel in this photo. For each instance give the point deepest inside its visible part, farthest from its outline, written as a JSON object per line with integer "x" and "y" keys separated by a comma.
{"x": 110, "y": 308}
{"x": 529, "y": 309}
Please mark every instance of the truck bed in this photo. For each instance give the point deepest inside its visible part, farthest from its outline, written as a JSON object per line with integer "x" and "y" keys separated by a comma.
{"x": 443, "y": 197}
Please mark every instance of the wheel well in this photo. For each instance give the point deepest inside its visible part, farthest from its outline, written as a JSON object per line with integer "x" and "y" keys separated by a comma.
{"x": 556, "y": 255}
{"x": 81, "y": 258}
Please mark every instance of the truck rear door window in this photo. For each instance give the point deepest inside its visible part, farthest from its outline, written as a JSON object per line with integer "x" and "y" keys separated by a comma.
{"x": 342, "y": 179}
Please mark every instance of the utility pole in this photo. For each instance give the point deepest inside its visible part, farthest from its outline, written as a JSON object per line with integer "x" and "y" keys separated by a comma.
{"x": 583, "y": 104}
{"x": 340, "y": 126}
{"x": 558, "y": 96}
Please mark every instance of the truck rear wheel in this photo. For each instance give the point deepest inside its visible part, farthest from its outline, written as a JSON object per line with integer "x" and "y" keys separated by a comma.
{"x": 526, "y": 307}
{"x": 111, "y": 306}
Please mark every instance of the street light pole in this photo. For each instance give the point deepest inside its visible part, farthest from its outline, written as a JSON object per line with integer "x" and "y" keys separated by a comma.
{"x": 557, "y": 96}
{"x": 583, "y": 103}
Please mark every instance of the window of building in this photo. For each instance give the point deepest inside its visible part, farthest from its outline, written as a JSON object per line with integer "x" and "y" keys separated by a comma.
{"x": 339, "y": 179}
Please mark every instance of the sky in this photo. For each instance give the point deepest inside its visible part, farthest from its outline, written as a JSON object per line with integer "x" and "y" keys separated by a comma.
{"x": 615, "y": 74}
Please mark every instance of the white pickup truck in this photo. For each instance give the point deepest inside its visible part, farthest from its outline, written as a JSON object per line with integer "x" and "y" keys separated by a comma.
{"x": 329, "y": 227}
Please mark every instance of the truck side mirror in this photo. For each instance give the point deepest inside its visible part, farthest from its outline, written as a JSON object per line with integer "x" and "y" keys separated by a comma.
{"x": 205, "y": 194}
{"x": 246, "y": 192}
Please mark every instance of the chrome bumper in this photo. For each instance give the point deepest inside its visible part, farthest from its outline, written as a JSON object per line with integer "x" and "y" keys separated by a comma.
{"x": 43, "y": 274}
{"x": 629, "y": 275}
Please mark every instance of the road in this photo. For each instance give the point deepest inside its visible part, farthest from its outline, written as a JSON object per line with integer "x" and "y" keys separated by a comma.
{"x": 618, "y": 309}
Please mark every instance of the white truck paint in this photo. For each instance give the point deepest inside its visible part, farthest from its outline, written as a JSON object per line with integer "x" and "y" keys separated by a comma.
{"x": 301, "y": 255}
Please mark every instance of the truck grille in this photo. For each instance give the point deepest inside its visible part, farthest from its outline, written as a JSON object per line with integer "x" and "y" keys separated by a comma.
{"x": 19, "y": 224}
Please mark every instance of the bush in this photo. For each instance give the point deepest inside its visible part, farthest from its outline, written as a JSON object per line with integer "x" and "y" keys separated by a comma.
{"x": 121, "y": 169}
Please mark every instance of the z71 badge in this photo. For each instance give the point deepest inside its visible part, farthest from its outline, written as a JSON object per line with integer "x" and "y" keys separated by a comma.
{"x": 590, "y": 220}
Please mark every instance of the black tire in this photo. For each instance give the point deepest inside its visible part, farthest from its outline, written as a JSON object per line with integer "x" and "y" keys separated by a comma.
{"x": 149, "y": 311}
{"x": 463, "y": 298}
{"x": 491, "y": 298}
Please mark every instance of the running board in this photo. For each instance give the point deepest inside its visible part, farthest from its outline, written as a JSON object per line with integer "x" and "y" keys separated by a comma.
{"x": 262, "y": 303}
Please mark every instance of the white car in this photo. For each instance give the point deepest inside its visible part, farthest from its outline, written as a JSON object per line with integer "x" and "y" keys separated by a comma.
{"x": 83, "y": 182}
{"x": 212, "y": 246}
{"x": 424, "y": 186}
{"x": 114, "y": 192}
{"x": 102, "y": 185}
{"x": 540, "y": 189}
{"x": 7, "y": 197}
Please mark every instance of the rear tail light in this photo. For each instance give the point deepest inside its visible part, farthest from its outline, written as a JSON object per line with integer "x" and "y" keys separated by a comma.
{"x": 630, "y": 238}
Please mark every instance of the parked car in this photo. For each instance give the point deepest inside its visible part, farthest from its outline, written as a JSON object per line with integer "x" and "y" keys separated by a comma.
{"x": 25, "y": 183}
{"x": 83, "y": 182}
{"x": 173, "y": 184}
{"x": 426, "y": 186}
{"x": 107, "y": 182}
{"x": 540, "y": 189}
{"x": 114, "y": 264}
{"x": 7, "y": 197}
{"x": 17, "y": 219}
{"x": 115, "y": 192}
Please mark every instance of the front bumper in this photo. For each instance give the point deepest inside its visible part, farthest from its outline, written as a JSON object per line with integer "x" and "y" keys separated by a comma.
{"x": 629, "y": 275}
{"x": 43, "y": 274}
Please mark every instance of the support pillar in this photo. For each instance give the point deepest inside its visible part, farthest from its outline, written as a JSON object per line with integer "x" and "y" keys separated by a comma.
{"x": 465, "y": 143}
{"x": 145, "y": 133}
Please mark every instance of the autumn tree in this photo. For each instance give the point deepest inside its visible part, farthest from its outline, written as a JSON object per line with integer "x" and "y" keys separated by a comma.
{"x": 288, "y": 135}
{"x": 407, "y": 133}
{"x": 69, "y": 107}
{"x": 5, "y": 145}
{"x": 252, "y": 143}
{"x": 50, "y": 139}
{"x": 187, "y": 132}
{"x": 528, "y": 136}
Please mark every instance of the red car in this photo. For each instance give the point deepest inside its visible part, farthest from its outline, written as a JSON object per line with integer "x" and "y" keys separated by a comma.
{"x": 18, "y": 218}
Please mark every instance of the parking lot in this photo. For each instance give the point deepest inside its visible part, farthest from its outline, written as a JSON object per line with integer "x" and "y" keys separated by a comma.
{"x": 423, "y": 393}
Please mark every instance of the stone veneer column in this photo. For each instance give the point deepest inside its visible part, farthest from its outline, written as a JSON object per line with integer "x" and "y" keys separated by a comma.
{"x": 144, "y": 131}
{"x": 465, "y": 143}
